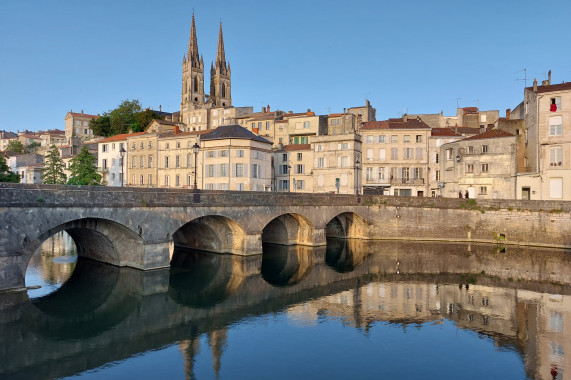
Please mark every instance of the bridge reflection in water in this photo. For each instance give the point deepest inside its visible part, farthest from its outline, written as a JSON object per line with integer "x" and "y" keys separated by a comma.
{"x": 520, "y": 300}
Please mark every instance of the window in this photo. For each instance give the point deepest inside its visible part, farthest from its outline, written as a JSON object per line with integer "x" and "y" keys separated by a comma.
{"x": 283, "y": 169}
{"x": 344, "y": 161}
{"x": 406, "y": 174}
{"x": 166, "y": 146}
{"x": 104, "y": 164}
{"x": 134, "y": 163}
{"x": 394, "y": 154}
{"x": 142, "y": 162}
{"x": 382, "y": 139}
{"x": 437, "y": 175}
{"x": 267, "y": 125}
{"x": 253, "y": 126}
{"x": 150, "y": 179}
{"x": 259, "y": 125}
{"x": 223, "y": 153}
{"x": 555, "y": 104}
{"x": 555, "y": 123}
{"x": 369, "y": 154}
{"x": 177, "y": 161}
{"x": 304, "y": 140}
{"x": 406, "y": 138}
{"x": 300, "y": 169}
{"x": 483, "y": 189}
{"x": 240, "y": 153}
{"x": 210, "y": 154}
{"x": 166, "y": 161}
{"x": 239, "y": 170}
{"x": 484, "y": 149}
{"x": 470, "y": 168}
{"x": 335, "y": 122}
{"x": 394, "y": 139}
{"x": 256, "y": 171}
{"x": 141, "y": 180}
{"x": 418, "y": 138}
{"x": 369, "y": 139}
{"x": 299, "y": 156}
{"x": 150, "y": 161}
{"x": 418, "y": 173}
{"x": 321, "y": 162}
{"x": 382, "y": 154}
{"x": 150, "y": 144}
{"x": 369, "y": 173}
{"x": 470, "y": 150}
{"x": 555, "y": 156}
{"x": 166, "y": 181}
{"x": 84, "y": 131}
{"x": 419, "y": 153}
{"x": 449, "y": 154}
{"x": 300, "y": 184}
{"x": 105, "y": 148}
{"x": 381, "y": 173}
{"x": 484, "y": 168}
{"x": 210, "y": 171}
{"x": 224, "y": 170}
{"x": 284, "y": 157}
{"x": 77, "y": 122}
{"x": 283, "y": 184}
{"x": 344, "y": 146}
{"x": 306, "y": 124}
{"x": 407, "y": 153}
{"x": 133, "y": 146}
{"x": 142, "y": 145}
{"x": 177, "y": 180}
{"x": 320, "y": 148}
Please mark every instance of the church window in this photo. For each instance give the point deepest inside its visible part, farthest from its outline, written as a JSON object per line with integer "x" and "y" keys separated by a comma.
{"x": 195, "y": 84}
{"x": 223, "y": 90}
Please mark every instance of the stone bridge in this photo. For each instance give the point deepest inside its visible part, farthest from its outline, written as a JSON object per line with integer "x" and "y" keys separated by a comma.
{"x": 139, "y": 227}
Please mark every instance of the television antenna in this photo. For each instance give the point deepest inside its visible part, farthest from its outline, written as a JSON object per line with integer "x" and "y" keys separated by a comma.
{"x": 524, "y": 77}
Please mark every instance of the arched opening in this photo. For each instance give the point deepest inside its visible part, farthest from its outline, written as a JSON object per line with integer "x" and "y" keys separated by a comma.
{"x": 286, "y": 265}
{"x": 195, "y": 84}
{"x": 211, "y": 233}
{"x": 347, "y": 225}
{"x": 223, "y": 90}
{"x": 288, "y": 229}
{"x": 345, "y": 255}
{"x": 51, "y": 257}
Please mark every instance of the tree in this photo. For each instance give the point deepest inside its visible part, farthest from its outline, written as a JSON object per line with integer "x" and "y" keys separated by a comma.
{"x": 53, "y": 168}
{"x": 123, "y": 117}
{"x": 83, "y": 169}
{"x": 32, "y": 147}
{"x": 101, "y": 126}
{"x": 6, "y": 175}
{"x": 15, "y": 146}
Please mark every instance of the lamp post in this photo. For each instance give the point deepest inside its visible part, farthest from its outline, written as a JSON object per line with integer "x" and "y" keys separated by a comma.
{"x": 195, "y": 149}
{"x": 357, "y": 166}
{"x": 289, "y": 178}
{"x": 122, "y": 152}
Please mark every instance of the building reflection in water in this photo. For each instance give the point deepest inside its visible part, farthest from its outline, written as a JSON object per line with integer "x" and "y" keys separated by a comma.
{"x": 520, "y": 300}
{"x": 51, "y": 265}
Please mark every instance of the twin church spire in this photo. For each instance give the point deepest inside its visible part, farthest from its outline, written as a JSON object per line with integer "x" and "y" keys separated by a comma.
{"x": 193, "y": 95}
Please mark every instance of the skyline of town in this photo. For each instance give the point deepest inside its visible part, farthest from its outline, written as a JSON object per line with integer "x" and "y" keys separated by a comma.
{"x": 71, "y": 76}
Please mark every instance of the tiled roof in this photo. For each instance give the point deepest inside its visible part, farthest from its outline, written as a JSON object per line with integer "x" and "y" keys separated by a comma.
{"x": 189, "y": 133}
{"x": 336, "y": 114}
{"x": 396, "y": 124}
{"x": 120, "y": 137}
{"x": 233, "y": 131}
{"x": 468, "y": 130}
{"x": 443, "y": 132}
{"x": 83, "y": 115}
{"x": 552, "y": 87}
{"x": 165, "y": 122}
{"x": 293, "y": 147}
{"x": 492, "y": 134}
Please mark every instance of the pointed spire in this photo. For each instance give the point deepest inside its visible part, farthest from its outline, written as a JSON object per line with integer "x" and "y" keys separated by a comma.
{"x": 220, "y": 55}
{"x": 192, "y": 43}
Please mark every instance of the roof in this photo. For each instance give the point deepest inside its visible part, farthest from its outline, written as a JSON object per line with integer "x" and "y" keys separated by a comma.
{"x": 395, "y": 124}
{"x": 233, "y": 131}
{"x": 165, "y": 122}
{"x": 443, "y": 132}
{"x": 293, "y": 147}
{"x": 468, "y": 130}
{"x": 120, "y": 137}
{"x": 552, "y": 88}
{"x": 75, "y": 114}
{"x": 189, "y": 133}
{"x": 492, "y": 134}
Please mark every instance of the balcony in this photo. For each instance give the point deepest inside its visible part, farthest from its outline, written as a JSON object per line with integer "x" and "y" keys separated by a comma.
{"x": 407, "y": 181}
{"x": 377, "y": 181}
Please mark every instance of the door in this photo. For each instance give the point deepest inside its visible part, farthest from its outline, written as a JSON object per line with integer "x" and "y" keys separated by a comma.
{"x": 472, "y": 192}
{"x": 525, "y": 193}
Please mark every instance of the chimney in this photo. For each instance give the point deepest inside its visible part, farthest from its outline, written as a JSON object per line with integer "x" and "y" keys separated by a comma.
{"x": 534, "y": 84}
{"x": 130, "y": 130}
{"x": 263, "y": 109}
{"x": 176, "y": 129}
{"x": 289, "y": 111}
{"x": 456, "y": 129}
{"x": 268, "y": 109}
{"x": 508, "y": 113}
{"x": 549, "y": 77}
{"x": 160, "y": 108}
{"x": 82, "y": 112}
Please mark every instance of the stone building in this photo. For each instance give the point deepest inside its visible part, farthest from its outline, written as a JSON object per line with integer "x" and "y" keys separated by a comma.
{"x": 5, "y": 138}
{"x": 395, "y": 157}
{"x": 293, "y": 168}
{"x": 471, "y": 117}
{"x": 28, "y": 166}
{"x": 111, "y": 163}
{"x": 547, "y": 117}
{"x": 77, "y": 125}
{"x": 483, "y": 165}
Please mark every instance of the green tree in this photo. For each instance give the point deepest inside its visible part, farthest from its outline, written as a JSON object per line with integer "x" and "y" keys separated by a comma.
{"x": 53, "y": 168}
{"x": 6, "y": 175}
{"x": 32, "y": 147}
{"x": 83, "y": 169}
{"x": 15, "y": 146}
{"x": 123, "y": 117}
{"x": 101, "y": 126}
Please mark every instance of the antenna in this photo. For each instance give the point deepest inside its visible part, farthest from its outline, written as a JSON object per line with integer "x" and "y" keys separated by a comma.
{"x": 524, "y": 77}
{"x": 457, "y": 99}
{"x": 477, "y": 102}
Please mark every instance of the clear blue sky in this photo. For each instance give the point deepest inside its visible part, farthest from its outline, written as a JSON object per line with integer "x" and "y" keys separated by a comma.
{"x": 414, "y": 55}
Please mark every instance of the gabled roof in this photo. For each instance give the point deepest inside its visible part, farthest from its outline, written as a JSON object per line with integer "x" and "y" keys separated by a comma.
{"x": 183, "y": 134}
{"x": 492, "y": 134}
{"x": 120, "y": 137}
{"x": 442, "y": 132}
{"x": 233, "y": 131}
{"x": 395, "y": 124}
{"x": 294, "y": 147}
{"x": 552, "y": 88}
{"x": 76, "y": 114}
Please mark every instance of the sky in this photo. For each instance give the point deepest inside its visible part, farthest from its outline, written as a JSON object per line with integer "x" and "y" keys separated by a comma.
{"x": 325, "y": 55}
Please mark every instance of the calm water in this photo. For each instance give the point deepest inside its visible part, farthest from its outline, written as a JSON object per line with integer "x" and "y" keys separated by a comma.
{"x": 361, "y": 310}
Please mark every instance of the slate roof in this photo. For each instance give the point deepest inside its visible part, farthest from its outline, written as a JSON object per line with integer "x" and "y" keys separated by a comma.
{"x": 233, "y": 131}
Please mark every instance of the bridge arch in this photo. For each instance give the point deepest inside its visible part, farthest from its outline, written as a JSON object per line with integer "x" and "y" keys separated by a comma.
{"x": 347, "y": 225}
{"x": 211, "y": 233}
{"x": 289, "y": 229}
{"x": 286, "y": 265}
{"x": 95, "y": 238}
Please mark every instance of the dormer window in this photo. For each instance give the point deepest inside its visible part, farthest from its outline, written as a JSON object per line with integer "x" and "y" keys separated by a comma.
{"x": 555, "y": 104}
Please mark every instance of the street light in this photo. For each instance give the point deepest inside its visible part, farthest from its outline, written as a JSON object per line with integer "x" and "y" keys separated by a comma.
{"x": 122, "y": 152}
{"x": 195, "y": 149}
{"x": 289, "y": 178}
{"x": 357, "y": 166}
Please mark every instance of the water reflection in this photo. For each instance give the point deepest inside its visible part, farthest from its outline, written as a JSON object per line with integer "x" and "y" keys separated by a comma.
{"x": 513, "y": 303}
{"x": 51, "y": 265}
